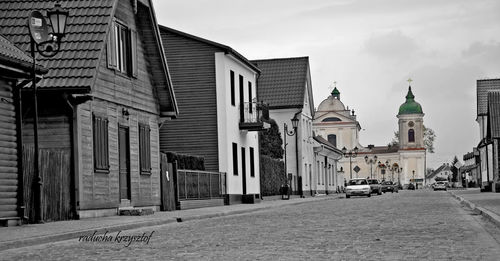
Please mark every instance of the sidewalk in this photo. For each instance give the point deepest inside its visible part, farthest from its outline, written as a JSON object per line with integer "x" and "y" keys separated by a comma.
{"x": 485, "y": 203}
{"x": 34, "y": 234}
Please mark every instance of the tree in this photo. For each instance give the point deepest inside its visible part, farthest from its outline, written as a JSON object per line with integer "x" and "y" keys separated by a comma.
{"x": 454, "y": 169}
{"x": 270, "y": 141}
{"x": 429, "y": 137}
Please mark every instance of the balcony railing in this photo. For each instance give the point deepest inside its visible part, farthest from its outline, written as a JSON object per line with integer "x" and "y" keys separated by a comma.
{"x": 252, "y": 116}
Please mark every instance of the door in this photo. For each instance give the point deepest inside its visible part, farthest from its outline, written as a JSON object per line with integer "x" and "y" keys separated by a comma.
{"x": 124, "y": 159}
{"x": 243, "y": 171}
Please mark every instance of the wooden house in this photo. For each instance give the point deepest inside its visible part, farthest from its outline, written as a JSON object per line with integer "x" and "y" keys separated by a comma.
{"x": 15, "y": 70}
{"x": 101, "y": 105}
{"x": 217, "y": 96}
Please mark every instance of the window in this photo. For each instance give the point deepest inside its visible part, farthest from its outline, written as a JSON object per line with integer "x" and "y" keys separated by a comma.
{"x": 144, "y": 149}
{"x": 332, "y": 138}
{"x": 252, "y": 163}
{"x": 411, "y": 135}
{"x": 122, "y": 49}
{"x": 235, "y": 159}
{"x": 233, "y": 99}
{"x": 101, "y": 152}
{"x": 250, "y": 109}
{"x": 243, "y": 162}
{"x": 331, "y": 119}
{"x": 242, "y": 99}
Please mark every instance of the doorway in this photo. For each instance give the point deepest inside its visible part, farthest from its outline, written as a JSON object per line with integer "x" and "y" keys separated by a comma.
{"x": 124, "y": 162}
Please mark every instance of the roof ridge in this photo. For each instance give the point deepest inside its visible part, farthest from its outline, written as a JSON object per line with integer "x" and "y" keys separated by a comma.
{"x": 279, "y": 59}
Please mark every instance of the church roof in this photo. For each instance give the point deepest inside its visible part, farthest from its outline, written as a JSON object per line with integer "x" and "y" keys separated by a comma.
{"x": 335, "y": 91}
{"x": 410, "y": 106}
{"x": 282, "y": 83}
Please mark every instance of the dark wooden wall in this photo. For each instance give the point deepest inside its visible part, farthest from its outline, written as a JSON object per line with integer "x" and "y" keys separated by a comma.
{"x": 113, "y": 92}
{"x": 192, "y": 68}
{"x": 8, "y": 153}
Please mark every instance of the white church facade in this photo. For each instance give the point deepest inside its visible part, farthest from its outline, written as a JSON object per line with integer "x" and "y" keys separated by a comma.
{"x": 404, "y": 163}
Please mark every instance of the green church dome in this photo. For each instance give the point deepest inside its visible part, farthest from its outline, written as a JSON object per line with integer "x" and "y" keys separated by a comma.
{"x": 410, "y": 106}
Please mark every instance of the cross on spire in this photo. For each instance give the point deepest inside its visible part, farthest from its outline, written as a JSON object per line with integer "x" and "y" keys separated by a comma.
{"x": 409, "y": 81}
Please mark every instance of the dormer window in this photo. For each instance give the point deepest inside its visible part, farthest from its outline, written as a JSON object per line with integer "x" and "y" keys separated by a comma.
{"x": 122, "y": 49}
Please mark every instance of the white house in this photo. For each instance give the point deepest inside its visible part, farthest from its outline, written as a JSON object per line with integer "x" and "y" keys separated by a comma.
{"x": 285, "y": 84}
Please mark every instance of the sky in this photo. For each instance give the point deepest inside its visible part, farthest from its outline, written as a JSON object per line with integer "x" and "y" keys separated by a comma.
{"x": 370, "y": 48}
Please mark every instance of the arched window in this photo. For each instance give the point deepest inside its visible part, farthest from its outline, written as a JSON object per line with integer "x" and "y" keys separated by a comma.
{"x": 331, "y": 119}
{"x": 332, "y": 138}
{"x": 411, "y": 135}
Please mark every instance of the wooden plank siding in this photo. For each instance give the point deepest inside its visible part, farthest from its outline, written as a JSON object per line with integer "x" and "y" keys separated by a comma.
{"x": 114, "y": 93}
{"x": 8, "y": 153}
{"x": 192, "y": 68}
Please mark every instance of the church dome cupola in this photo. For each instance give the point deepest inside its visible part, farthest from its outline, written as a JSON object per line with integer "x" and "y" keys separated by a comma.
{"x": 336, "y": 93}
{"x": 410, "y": 106}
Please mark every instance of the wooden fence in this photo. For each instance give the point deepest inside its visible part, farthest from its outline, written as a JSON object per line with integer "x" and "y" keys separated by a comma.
{"x": 195, "y": 184}
{"x": 55, "y": 170}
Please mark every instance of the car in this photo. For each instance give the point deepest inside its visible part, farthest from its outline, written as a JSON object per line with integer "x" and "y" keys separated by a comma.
{"x": 411, "y": 186}
{"x": 375, "y": 186}
{"x": 440, "y": 185}
{"x": 389, "y": 186}
{"x": 358, "y": 187}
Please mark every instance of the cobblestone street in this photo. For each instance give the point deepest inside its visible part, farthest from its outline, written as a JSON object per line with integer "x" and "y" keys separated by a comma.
{"x": 410, "y": 225}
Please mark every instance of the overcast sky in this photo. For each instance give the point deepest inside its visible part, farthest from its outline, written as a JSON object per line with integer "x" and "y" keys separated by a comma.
{"x": 370, "y": 48}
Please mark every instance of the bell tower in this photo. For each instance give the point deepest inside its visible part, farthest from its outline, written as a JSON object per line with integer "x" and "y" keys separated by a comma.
{"x": 411, "y": 123}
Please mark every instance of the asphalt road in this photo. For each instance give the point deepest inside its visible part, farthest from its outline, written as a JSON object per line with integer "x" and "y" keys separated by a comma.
{"x": 410, "y": 225}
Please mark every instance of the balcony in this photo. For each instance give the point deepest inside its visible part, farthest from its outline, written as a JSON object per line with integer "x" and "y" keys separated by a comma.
{"x": 253, "y": 116}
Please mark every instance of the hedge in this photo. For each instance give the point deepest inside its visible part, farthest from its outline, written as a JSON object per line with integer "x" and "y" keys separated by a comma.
{"x": 271, "y": 175}
{"x": 186, "y": 161}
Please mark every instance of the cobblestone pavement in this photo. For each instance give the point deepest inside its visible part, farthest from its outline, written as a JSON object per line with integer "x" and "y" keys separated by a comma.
{"x": 410, "y": 225}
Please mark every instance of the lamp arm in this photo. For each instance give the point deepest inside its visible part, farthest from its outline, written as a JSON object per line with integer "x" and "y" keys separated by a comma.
{"x": 49, "y": 48}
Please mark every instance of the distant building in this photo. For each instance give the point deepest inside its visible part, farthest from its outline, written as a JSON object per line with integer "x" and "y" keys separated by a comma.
{"x": 488, "y": 118}
{"x": 443, "y": 173}
{"x": 403, "y": 163}
{"x": 469, "y": 172}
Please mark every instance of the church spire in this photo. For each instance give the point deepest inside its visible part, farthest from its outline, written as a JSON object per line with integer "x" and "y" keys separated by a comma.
{"x": 335, "y": 92}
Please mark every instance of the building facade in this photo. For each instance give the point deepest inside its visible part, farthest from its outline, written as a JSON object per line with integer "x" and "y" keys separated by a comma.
{"x": 216, "y": 89}
{"x": 285, "y": 85}
{"x": 403, "y": 163}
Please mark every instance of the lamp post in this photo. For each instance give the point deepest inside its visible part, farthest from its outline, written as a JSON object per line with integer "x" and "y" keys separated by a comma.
{"x": 382, "y": 167}
{"x": 47, "y": 45}
{"x": 350, "y": 154}
{"x": 295, "y": 123}
{"x": 414, "y": 179}
{"x": 371, "y": 161}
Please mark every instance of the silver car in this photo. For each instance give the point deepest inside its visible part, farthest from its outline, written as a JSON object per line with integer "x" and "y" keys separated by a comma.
{"x": 358, "y": 187}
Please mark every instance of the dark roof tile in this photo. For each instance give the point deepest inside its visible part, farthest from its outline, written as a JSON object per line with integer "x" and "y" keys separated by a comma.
{"x": 283, "y": 81}
{"x": 74, "y": 66}
{"x": 494, "y": 114}
{"x": 483, "y": 87}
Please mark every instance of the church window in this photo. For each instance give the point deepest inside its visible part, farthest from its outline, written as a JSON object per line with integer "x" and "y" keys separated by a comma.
{"x": 411, "y": 135}
{"x": 332, "y": 138}
{"x": 331, "y": 119}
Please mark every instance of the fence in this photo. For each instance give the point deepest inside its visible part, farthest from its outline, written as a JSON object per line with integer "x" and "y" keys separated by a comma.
{"x": 194, "y": 184}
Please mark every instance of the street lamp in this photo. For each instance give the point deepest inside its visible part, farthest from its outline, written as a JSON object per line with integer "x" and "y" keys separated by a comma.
{"x": 47, "y": 45}
{"x": 382, "y": 167}
{"x": 295, "y": 123}
{"x": 414, "y": 179}
{"x": 371, "y": 161}
{"x": 350, "y": 154}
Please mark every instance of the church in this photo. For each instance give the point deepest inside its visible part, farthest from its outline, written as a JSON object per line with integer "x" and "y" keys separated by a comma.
{"x": 403, "y": 163}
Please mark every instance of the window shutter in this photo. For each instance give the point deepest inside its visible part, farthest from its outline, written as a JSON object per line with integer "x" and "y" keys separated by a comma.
{"x": 111, "y": 48}
{"x": 133, "y": 52}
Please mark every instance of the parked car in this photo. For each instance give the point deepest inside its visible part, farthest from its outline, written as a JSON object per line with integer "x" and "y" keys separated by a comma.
{"x": 411, "y": 186}
{"x": 440, "y": 185}
{"x": 389, "y": 186}
{"x": 375, "y": 186}
{"x": 358, "y": 187}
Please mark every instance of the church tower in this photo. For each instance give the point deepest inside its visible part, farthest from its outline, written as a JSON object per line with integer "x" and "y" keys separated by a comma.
{"x": 411, "y": 123}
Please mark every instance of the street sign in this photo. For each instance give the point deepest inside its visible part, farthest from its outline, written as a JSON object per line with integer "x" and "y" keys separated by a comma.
{"x": 38, "y": 27}
{"x": 357, "y": 169}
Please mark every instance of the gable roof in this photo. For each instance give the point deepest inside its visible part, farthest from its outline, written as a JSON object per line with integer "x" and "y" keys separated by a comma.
{"x": 330, "y": 146}
{"x": 87, "y": 25}
{"x": 14, "y": 57}
{"x": 494, "y": 114}
{"x": 283, "y": 81}
{"x": 75, "y": 66}
{"x": 444, "y": 167}
{"x": 483, "y": 87}
{"x": 224, "y": 48}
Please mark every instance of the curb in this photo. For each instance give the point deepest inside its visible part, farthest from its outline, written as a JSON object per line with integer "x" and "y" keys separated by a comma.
{"x": 492, "y": 217}
{"x": 6, "y": 245}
